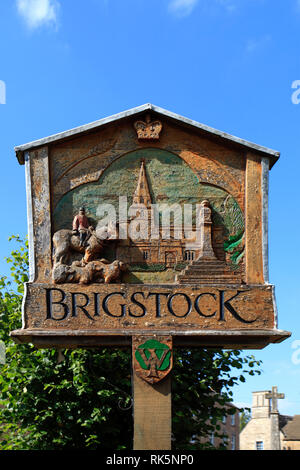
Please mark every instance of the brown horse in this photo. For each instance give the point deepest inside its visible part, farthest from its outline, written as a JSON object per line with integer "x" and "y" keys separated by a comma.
{"x": 65, "y": 242}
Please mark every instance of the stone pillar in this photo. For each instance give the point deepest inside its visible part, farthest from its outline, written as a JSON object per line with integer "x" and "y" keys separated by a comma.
{"x": 206, "y": 249}
{"x": 275, "y": 432}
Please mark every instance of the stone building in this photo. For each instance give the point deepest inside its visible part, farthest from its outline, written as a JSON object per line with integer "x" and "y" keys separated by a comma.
{"x": 265, "y": 430}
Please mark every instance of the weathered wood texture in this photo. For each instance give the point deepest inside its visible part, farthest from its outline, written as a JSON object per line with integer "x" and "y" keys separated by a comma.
{"x": 152, "y": 414}
{"x": 146, "y": 307}
{"x": 253, "y": 218}
{"x": 41, "y": 214}
{"x": 224, "y": 339}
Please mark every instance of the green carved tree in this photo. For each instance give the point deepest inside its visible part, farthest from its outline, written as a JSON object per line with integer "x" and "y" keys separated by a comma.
{"x": 81, "y": 399}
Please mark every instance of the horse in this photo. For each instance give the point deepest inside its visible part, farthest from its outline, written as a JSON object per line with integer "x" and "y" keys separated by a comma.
{"x": 65, "y": 242}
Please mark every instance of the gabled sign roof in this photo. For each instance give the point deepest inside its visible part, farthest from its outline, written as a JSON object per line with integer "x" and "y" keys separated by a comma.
{"x": 272, "y": 154}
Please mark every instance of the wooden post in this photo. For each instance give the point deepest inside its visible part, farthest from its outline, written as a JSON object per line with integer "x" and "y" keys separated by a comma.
{"x": 152, "y": 414}
{"x": 152, "y": 401}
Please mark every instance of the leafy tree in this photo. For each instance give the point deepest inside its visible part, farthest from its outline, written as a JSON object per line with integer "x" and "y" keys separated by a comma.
{"x": 81, "y": 399}
{"x": 244, "y": 418}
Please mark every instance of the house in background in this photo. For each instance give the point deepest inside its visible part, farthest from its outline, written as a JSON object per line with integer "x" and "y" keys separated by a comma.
{"x": 267, "y": 429}
{"x": 230, "y": 426}
{"x": 291, "y": 433}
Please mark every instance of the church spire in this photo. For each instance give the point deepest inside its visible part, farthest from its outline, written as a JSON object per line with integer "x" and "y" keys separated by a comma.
{"x": 142, "y": 193}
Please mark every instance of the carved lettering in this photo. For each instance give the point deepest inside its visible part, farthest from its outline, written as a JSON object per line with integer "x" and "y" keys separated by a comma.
{"x": 197, "y": 308}
{"x": 157, "y": 301}
{"x": 96, "y": 305}
{"x": 136, "y": 302}
{"x": 75, "y": 306}
{"x": 138, "y": 305}
{"x": 105, "y": 305}
{"x": 50, "y": 303}
{"x": 189, "y": 305}
{"x": 230, "y": 308}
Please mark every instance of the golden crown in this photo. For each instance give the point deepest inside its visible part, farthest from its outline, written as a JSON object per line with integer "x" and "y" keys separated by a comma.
{"x": 148, "y": 130}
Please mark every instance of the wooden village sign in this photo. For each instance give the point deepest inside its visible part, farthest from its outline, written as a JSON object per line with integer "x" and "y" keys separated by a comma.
{"x": 151, "y": 230}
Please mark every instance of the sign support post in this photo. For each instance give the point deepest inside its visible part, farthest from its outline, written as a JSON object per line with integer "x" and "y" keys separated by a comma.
{"x": 152, "y": 414}
{"x": 151, "y": 363}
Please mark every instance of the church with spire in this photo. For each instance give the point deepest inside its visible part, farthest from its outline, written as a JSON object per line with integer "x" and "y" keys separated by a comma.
{"x": 142, "y": 193}
{"x": 153, "y": 248}
{"x": 201, "y": 256}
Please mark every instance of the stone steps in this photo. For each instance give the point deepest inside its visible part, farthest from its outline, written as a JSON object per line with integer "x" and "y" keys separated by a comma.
{"x": 208, "y": 271}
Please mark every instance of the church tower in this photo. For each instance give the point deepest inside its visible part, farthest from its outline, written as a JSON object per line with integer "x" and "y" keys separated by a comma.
{"x": 263, "y": 431}
{"x": 142, "y": 193}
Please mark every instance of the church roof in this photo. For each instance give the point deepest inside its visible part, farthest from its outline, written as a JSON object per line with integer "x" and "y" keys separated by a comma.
{"x": 201, "y": 128}
{"x": 292, "y": 429}
{"x": 283, "y": 420}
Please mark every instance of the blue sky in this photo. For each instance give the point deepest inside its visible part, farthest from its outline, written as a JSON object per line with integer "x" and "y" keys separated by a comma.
{"x": 229, "y": 64}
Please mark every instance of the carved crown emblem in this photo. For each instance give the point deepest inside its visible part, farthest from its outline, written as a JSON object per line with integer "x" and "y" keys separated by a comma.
{"x": 148, "y": 130}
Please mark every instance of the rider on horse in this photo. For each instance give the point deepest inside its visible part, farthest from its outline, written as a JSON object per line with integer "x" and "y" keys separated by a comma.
{"x": 81, "y": 226}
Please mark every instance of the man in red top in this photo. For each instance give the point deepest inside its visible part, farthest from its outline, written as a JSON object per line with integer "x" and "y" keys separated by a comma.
{"x": 81, "y": 225}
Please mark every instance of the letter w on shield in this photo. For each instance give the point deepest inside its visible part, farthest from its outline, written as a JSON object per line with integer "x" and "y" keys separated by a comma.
{"x": 153, "y": 363}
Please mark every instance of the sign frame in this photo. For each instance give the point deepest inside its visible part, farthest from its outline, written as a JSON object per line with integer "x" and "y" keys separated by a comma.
{"x": 143, "y": 127}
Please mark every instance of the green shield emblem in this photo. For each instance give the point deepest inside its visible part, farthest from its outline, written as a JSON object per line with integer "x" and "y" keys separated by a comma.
{"x": 155, "y": 358}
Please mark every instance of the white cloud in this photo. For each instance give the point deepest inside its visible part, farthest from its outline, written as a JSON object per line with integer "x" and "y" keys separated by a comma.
{"x": 185, "y": 7}
{"x": 229, "y": 5}
{"x": 182, "y": 7}
{"x": 38, "y": 12}
{"x": 257, "y": 43}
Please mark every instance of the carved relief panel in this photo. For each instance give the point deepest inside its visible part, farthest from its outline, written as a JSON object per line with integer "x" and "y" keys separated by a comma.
{"x": 151, "y": 225}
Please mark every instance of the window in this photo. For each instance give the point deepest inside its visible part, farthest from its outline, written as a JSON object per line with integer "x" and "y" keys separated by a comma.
{"x": 145, "y": 255}
{"x": 212, "y": 438}
{"x": 232, "y": 420}
{"x": 224, "y": 419}
{"x": 189, "y": 255}
{"x": 233, "y": 442}
{"x": 259, "y": 445}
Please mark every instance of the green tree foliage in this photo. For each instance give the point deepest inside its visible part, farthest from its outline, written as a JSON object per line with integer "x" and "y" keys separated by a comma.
{"x": 82, "y": 399}
{"x": 245, "y": 418}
